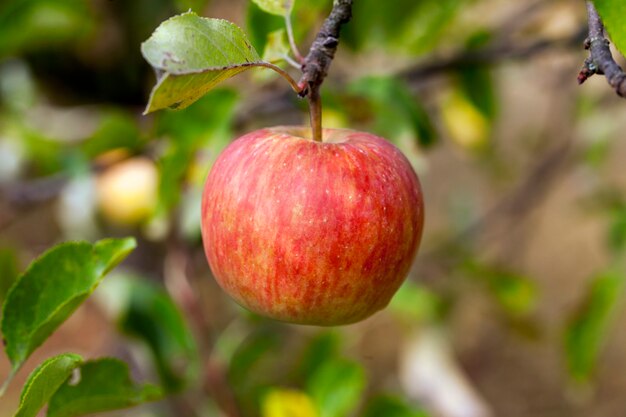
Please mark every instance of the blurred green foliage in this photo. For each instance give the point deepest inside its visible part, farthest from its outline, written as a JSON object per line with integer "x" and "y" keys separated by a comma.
{"x": 37, "y": 24}
{"x": 151, "y": 316}
{"x": 389, "y": 406}
{"x": 588, "y": 327}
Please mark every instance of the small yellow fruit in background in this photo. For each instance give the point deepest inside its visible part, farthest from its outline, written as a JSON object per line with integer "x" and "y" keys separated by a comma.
{"x": 281, "y": 402}
{"x": 127, "y": 191}
{"x": 465, "y": 124}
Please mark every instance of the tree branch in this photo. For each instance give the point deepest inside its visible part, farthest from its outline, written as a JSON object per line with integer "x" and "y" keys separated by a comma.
{"x": 318, "y": 60}
{"x": 600, "y": 59}
{"x": 280, "y": 101}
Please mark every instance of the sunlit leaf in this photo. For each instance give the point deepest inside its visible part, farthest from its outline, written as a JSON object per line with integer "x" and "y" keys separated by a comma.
{"x": 588, "y": 328}
{"x": 337, "y": 387}
{"x": 152, "y": 316}
{"x": 191, "y": 55}
{"x": 104, "y": 385}
{"x": 44, "y": 381}
{"x": 52, "y": 288}
{"x": 277, "y": 7}
{"x": 612, "y": 13}
{"x": 287, "y": 403}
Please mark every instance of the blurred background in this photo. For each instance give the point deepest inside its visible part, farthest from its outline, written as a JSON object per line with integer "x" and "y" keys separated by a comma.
{"x": 513, "y": 305}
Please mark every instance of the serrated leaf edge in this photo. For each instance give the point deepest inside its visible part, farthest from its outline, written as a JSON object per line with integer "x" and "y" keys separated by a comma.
{"x": 38, "y": 261}
{"x": 203, "y": 70}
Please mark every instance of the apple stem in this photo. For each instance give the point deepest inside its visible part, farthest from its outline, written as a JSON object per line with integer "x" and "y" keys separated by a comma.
{"x": 317, "y": 62}
{"x": 315, "y": 114}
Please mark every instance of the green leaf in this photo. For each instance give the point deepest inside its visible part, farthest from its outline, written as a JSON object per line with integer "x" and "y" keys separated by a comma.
{"x": 276, "y": 46}
{"x": 612, "y": 13}
{"x": 52, "y": 288}
{"x": 477, "y": 84}
{"x": 191, "y": 55}
{"x": 104, "y": 385}
{"x": 337, "y": 387}
{"x": 277, "y": 7}
{"x": 44, "y": 381}
{"x": 9, "y": 270}
{"x": 389, "y": 406}
{"x": 152, "y": 316}
{"x": 589, "y": 326}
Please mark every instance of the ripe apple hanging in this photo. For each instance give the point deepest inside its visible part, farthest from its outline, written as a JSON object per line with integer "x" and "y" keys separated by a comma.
{"x": 320, "y": 233}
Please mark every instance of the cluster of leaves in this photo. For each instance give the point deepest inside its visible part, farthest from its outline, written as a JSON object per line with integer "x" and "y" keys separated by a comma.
{"x": 37, "y": 303}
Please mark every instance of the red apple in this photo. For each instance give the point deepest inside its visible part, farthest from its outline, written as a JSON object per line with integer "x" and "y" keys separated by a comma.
{"x": 320, "y": 233}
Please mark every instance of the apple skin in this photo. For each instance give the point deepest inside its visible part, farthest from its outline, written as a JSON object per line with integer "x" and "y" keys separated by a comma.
{"x": 319, "y": 233}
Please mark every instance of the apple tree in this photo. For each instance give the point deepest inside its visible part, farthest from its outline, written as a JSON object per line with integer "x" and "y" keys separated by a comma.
{"x": 113, "y": 114}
